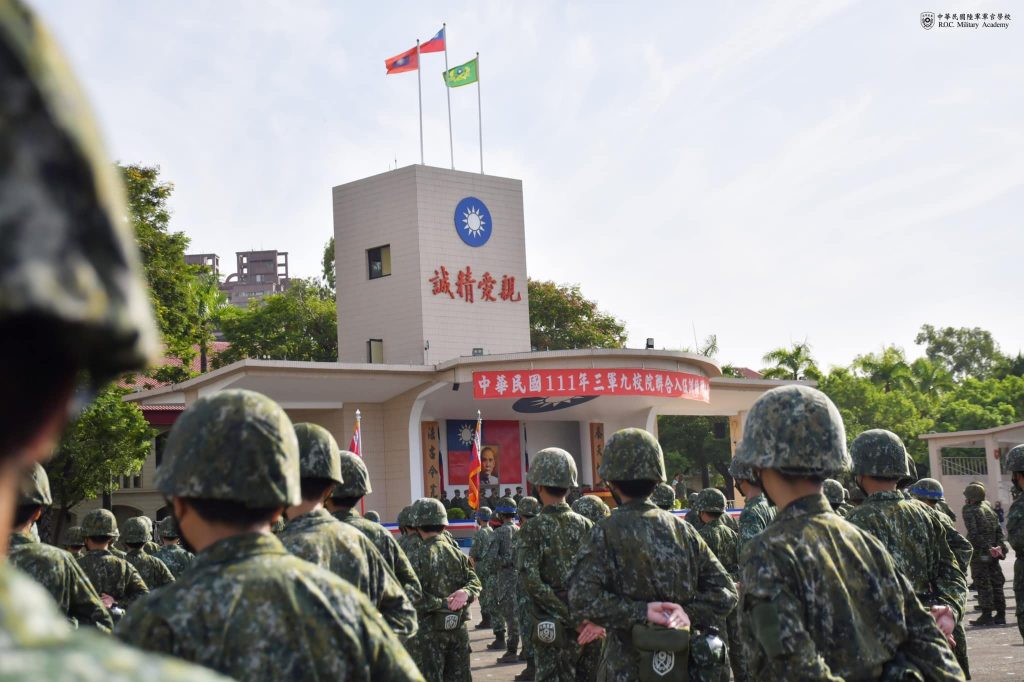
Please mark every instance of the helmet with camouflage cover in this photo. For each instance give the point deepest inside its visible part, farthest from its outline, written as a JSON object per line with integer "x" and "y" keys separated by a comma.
{"x": 68, "y": 255}
{"x": 355, "y": 476}
{"x": 72, "y": 537}
{"x": 795, "y": 430}
{"x": 528, "y": 507}
{"x": 234, "y": 445}
{"x": 632, "y": 455}
{"x": 975, "y": 492}
{"x": 483, "y": 514}
{"x": 135, "y": 531}
{"x": 99, "y": 523}
{"x": 710, "y": 500}
{"x": 403, "y": 517}
{"x": 663, "y": 496}
{"x": 741, "y": 472}
{"x": 506, "y": 505}
{"x": 552, "y": 467}
{"x": 372, "y": 516}
{"x": 928, "y": 489}
{"x": 34, "y": 488}
{"x": 169, "y": 528}
{"x": 879, "y": 453}
{"x": 318, "y": 453}
{"x": 429, "y": 512}
{"x": 857, "y": 495}
{"x": 833, "y": 491}
{"x": 691, "y": 500}
{"x": 591, "y": 507}
{"x": 1015, "y": 458}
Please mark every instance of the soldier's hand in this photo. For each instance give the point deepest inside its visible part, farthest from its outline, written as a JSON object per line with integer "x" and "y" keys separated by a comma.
{"x": 946, "y": 621}
{"x": 107, "y": 600}
{"x": 589, "y": 632}
{"x": 667, "y": 614}
{"x": 457, "y": 599}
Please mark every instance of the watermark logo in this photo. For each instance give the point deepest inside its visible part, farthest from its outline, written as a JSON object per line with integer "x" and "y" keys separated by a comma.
{"x": 972, "y": 20}
{"x": 927, "y": 20}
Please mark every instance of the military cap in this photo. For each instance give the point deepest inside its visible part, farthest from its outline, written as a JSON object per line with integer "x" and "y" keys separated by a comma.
{"x": 483, "y": 514}
{"x": 879, "y": 453}
{"x": 429, "y": 512}
{"x": 741, "y": 472}
{"x": 710, "y": 500}
{"x": 135, "y": 531}
{"x": 796, "y": 430}
{"x": 663, "y": 496}
{"x": 234, "y": 445}
{"x": 528, "y": 507}
{"x": 169, "y": 528}
{"x": 355, "y": 476}
{"x": 975, "y": 492}
{"x": 372, "y": 516}
{"x": 318, "y": 453}
{"x": 632, "y": 455}
{"x": 34, "y": 488}
{"x": 833, "y": 490}
{"x": 553, "y": 467}
{"x": 1015, "y": 458}
{"x": 72, "y": 537}
{"x": 928, "y": 488}
{"x": 99, "y": 523}
{"x": 506, "y": 505}
{"x": 591, "y": 507}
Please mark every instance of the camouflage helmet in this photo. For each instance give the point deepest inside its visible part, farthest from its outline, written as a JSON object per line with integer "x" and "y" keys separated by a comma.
{"x": 663, "y": 496}
{"x": 34, "y": 488}
{"x": 318, "y": 453}
{"x": 483, "y": 514}
{"x": 632, "y": 455}
{"x": 528, "y": 507}
{"x": 99, "y": 523}
{"x": 506, "y": 505}
{"x": 169, "y": 528}
{"x": 553, "y": 467}
{"x": 146, "y": 520}
{"x": 975, "y": 492}
{"x": 857, "y": 495}
{"x": 846, "y": 494}
{"x": 833, "y": 491}
{"x": 72, "y": 537}
{"x": 135, "y": 531}
{"x": 69, "y": 255}
{"x": 795, "y": 430}
{"x": 429, "y": 512}
{"x": 911, "y": 471}
{"x": 372, "y": 516}
{"x": 355, "y": 476}
{"x": 691, "y": 499}
{"x": 591, "y": 507}
{"x": 928, "y": 489}
{"x": 879, "y": 453}
{"x": 710, "y": 500}
{"x": 741, "y": 472}
{"x": 1015, "y": 458}
{"x": 403, "y": 517}
{"x": 234, "y": 445}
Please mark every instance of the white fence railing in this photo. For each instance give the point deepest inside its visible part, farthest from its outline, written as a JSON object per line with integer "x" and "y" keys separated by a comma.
{"x": 964, "y": 466}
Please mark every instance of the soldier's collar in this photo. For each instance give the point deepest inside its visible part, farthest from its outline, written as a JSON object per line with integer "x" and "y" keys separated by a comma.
{"x": 885, "y": 495}
{"x": 559, "y": 508}
{"x": 805, "y": 506}
{"x": 22, "y": 539}
{"x": 238, "y": 547}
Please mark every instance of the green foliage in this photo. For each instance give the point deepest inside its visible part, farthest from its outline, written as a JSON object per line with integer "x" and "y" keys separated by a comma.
{"x": 791, "y": 363}
{"x": 964, "y": 352}
{"x": 887, "y": 370}
{"x": 689, "y": 445}
{"x": 328, "y": 264}
{"x": 299, "y": 324}
{"x": 456, "y": 514}
{"x": 561, "y": 318}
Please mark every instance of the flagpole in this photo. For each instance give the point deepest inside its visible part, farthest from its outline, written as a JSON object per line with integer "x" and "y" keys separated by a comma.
{"x": 419, "y": 85}
{"x": 448, "y": 93}
{"x": 479, "y": 113}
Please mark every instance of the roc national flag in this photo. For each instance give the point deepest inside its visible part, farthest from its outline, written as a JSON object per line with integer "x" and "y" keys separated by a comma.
{"x": 474, "y": 468}
{"x": 400, "y": 63}
{"x": 462, "y": 75}
{"x": 435, "y": 44}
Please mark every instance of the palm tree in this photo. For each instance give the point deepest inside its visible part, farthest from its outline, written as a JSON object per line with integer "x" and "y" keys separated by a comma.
{"x": 930, "y": 378}
{"x": 209, "y": 300}
{"x": 791, "y": 363}
{"x": 887, "y": 369}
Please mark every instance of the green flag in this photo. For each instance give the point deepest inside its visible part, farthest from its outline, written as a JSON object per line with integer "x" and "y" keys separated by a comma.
{"x": 462, "y": 75}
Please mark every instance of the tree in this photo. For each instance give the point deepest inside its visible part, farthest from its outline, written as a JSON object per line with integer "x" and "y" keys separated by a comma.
{"x": 887, "y": 369}
{"x": 691, "y": 440}
{"x": 964, "y": 352}
{"x": 791, "y": 363}
{"x": 299, "y": 324}
{"x": 328, "y": 263}
{"x": 930, "y": 378}
{"x": 561, "y": 318}
{"x": 111, "y": 438}
{"x": 209, "y": 302}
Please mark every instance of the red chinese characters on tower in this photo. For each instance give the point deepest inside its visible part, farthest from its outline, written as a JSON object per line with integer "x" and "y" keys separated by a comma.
{"x": 441, "y": 283}
{"x": 464, "y": 285}
{"x": 508, "y": 289}
{"x": 486, "y": 286}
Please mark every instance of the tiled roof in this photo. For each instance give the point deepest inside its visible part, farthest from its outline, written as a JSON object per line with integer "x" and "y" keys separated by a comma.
{"x": 138, "y": 382}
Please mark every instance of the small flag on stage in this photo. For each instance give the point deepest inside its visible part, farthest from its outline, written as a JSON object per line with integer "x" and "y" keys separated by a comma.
{"x": 435, "y": 44}
{"x": 407, "y": 61}
{"x": 462, "y": 75}
{"x": 474, "y": 467}
{"x": 355, "y": 446}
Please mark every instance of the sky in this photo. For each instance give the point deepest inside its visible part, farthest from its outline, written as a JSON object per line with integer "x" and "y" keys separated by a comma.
{"x": 770, "y": 173}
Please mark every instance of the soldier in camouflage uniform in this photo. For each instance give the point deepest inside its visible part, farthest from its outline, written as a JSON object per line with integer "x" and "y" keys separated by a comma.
{"x": 985, "y": 535}
{"x": 342, "y": 504}
{"x": 528, "y": 508}
{"x": 175, "y": 557}
{"x": 833, "y": 491}
{"x": 247, "y": 607}
{"x": 480, "y": 538}
{"x": 1015, "y": 529}
{"x": 149, "y": 547}
{"x": 822, "y": 599}
{"x": 117, "y": 581}
{"x": 314, "y": 535}
{"x": 591, "y": 507}
{"x": 72, "y": 541}
{"x": 913, "y": 535}
{"x": 723, "y": 541}
{"x": 372, "y": 516}
{"x": 408, "y": 537}
{"x": 72, "y": 307}
{"x": 548, "y": 547}
{"x": 664, "y": 497}
{"x": 152, "y": 571}
{"x": 692, "y": 516}
{"x": 449, "y": 585}
{"x": 757, "y": 512}
{"x": 53, "y": 568}
{"x": 620, "y": 581}
{"x": 500, "y": 557}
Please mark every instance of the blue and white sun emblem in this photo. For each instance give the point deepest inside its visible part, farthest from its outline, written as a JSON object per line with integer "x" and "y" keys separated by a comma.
{"x": 466, "y": 434}
{"x": 473, "y": 221}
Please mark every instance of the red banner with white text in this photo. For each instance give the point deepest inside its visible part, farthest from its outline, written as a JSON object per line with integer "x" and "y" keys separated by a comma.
{"x": 545, "y": 383}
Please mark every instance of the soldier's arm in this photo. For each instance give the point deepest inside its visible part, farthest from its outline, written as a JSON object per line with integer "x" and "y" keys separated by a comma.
{"x": 163, "y": 576}
{"x": 472, "y": 586}
{"x": 1015, "y": 528}
{"x": 951, "y": 584}
{"x": 387, "y": 593}
{"x": 384, "y": 655}
{"x": 974, "y": 532}
{"x": 925, "y": 647}
{"x": 135, "y": 586}
{"x": 592, "y": 597}
{"x": 403, "y": 570}
{"x": 85, "y": 603}
{"x": 961, "y": 548}
{"x": 144, "y": 629}
{"x": 542, "y": 594}
{"x": 715, "y": 595}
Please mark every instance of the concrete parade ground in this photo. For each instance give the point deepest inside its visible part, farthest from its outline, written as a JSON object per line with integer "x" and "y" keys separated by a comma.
{"x": 996, "y": 653}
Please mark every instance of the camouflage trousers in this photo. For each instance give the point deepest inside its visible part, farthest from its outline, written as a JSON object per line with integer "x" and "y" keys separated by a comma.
{"x": 988, "y": 578}
{"x": 526, "y": 620}
{"x": 1018, "y": 593}
{"x": 960, "y": 648}
{"x": 590, "y": 661}
{"x": 508, "y": 607}
{"x": 442, "y": 656}
{"x": 737, "y": 655}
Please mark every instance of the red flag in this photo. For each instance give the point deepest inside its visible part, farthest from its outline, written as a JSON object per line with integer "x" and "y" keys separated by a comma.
{"x": 407, "y": 61}
{"x": 355, "y": 446}
{"x": 474, "y": 469}
{"x": 435, "y": 44}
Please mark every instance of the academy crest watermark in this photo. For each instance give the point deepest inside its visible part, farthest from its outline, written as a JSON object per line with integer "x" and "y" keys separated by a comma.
{"x": 962, "y": 20}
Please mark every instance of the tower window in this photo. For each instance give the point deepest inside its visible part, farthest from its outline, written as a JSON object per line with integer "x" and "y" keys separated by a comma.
{"x": 375, "y": 351}
{"x": 378, "y": 261}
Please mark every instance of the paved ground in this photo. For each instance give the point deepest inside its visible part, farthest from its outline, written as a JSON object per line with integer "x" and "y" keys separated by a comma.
{"x": 996, "y": 653}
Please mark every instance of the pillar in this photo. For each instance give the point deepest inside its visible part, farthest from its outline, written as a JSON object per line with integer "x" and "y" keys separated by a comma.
{"x": 994, "y": 481}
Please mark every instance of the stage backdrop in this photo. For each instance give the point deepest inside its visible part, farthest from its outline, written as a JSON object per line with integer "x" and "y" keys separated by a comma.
{"x": 501, "y": 435}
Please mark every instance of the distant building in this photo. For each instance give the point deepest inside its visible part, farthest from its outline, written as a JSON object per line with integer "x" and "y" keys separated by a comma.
{"x": 257, "y": 274}
{"x": 211, "y": 261}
